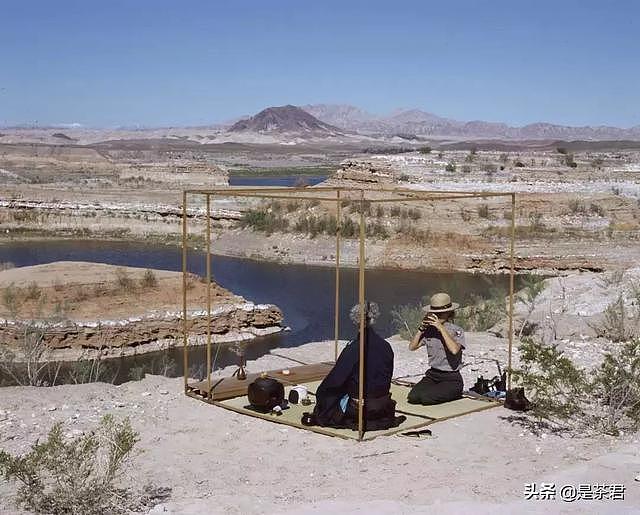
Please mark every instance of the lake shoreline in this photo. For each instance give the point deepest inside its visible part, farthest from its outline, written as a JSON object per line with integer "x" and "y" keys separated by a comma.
{"x": 271, "y": 257}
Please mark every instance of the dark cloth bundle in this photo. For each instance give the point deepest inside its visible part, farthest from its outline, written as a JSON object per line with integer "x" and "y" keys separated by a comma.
{"x": 516, "y": 400}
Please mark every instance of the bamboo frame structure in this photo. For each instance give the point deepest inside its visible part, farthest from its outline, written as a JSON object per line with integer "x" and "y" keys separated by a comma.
{"x": 329, "y": 195}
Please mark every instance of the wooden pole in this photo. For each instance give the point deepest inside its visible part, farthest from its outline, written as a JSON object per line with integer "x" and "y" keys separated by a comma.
{"x": 337, "y": 304}
{"x": 208, "y": 295}
{"x": 511, "y": 286}
{"x": 362, "y": 324}
{"x": 185, "y": 361}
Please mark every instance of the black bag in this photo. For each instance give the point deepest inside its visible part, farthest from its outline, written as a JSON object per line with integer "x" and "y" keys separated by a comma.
{"x": 484, "y": 386}
{"x": 265, "y": 393}
{"x": 516, "y": 400}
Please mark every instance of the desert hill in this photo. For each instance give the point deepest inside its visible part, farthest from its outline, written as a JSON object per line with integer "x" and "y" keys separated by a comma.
{"x": 285, "y": 119}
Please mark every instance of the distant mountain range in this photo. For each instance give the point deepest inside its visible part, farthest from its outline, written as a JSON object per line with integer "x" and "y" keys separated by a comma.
{"x": 421, "y": 123}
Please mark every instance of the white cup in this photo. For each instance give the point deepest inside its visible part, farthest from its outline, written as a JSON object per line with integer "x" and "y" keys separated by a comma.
{"x": 298, "y": 394}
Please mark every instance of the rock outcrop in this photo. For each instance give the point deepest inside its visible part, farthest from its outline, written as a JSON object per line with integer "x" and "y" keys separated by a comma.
{"x": 120, "y": 310}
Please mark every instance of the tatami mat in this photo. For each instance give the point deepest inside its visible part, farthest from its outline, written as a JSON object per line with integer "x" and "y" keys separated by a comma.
{"x": 438, "y": 411}
{"x": 416, "y": 415}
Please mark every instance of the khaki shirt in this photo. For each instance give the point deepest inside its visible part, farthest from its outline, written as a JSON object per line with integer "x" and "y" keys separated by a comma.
{"x": 440, "y": 357}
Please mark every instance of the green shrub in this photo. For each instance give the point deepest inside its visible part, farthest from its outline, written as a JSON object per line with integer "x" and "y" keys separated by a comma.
{"x": 596, "y": 209}
{"x": 349, "y": 228}
{"x": 414, "y": 213}
{"x": 535, "y": 221}
{"x": 483, "y": 211}
{"x": 482, "y": 314}
{"x": 425, "y": 150}
{"x": 555, "y": 385}
{"x": 137, "y": 373}
{"x": 576, "y": 206}
{"x": 292, "y": 206}
{"x": 616, "y": 386}
{"x": 275, "y": 206}
{"x": 619, "y": 324}
{"x": 149, "y": 279}
{"x": 12, "y": 299}
{"x": 74, "y": 476}
{"x": 410, "y": 231}
{"x": 92, "y": 371}
{"x": 377, "y": 230}
{"x": 33, "y": 291}
{"x": 406, "y": 319}
{"x": 264, "y": 220}
{"x": 33, "y": 368}
{"x": 451, "y": 167}
{"x": 533, "y": 285}
{"x": 124, "y": 282}
{"x": 606, "y": 400}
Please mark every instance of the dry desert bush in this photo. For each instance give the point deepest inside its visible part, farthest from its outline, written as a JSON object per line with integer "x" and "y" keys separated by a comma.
{"x": 66, "y": 475}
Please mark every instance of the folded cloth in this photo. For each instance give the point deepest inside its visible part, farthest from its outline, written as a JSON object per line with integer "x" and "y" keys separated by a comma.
{"x": 343, "y": 403}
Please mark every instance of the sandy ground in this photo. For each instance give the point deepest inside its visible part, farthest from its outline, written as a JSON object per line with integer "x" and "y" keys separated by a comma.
{"x": 217, "y": 461}
{"x": 101, "y": 291}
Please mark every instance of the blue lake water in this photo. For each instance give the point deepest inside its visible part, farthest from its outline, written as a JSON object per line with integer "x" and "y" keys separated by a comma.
{"x": 284, "y": 181}
{"x": 304, "y": 293}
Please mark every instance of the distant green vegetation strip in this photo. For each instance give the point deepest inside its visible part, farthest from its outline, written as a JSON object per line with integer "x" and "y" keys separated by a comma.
{"x": 282, "y": 172}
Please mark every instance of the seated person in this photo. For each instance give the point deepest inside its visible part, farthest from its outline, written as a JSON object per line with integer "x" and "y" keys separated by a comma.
{"x": 444, "y": 342}
{"x": 337, "y": 395}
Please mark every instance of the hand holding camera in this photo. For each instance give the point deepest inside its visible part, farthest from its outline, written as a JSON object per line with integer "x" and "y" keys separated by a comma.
{"x": 429, "y": 319}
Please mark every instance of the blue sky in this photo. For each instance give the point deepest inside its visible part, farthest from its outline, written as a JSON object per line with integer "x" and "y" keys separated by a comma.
{"x": 160, "y": 62}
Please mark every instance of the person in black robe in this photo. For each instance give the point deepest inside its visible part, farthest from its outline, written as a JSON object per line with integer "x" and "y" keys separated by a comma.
{"x": 337, "y": 395}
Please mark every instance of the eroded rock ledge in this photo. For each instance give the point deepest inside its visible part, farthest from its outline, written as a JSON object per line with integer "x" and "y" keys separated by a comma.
{"x": 73, "y": 307}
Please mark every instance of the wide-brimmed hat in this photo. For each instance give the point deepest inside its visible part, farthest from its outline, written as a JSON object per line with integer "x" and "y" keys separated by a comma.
{"x": 441, "y": 303}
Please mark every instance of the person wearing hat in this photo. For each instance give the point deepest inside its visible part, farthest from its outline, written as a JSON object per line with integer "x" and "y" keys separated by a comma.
{"x": 444, "y": 342}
